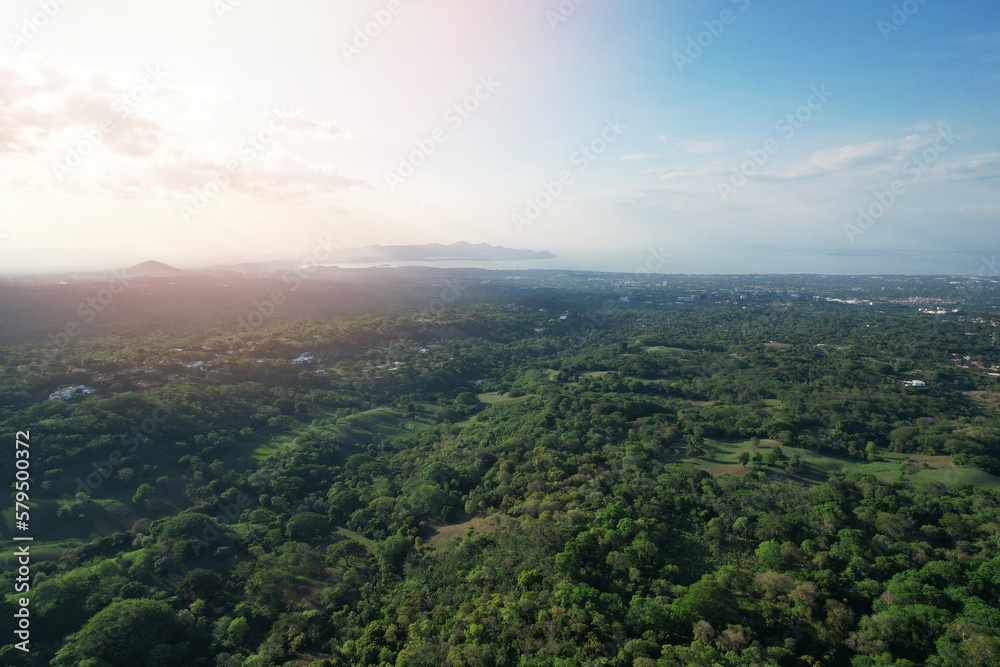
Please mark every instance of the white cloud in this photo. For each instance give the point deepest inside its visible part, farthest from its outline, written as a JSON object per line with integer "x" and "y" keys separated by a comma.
{"x": 670, "y": 173}
{"x": 81, "y": 132}
{"x": 702, "y": 147}
{"x": 298, "y": 123}
{"x": 862, "y": 159}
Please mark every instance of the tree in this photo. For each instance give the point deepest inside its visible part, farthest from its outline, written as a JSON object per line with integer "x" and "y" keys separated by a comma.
{"x": 769, "y": 556}
{"x": 127, "y": 633}
{"x": 390, "y": 553}
{"x": 771, "y": 526}
{"x": 695, "y": 445}
{"x": 707, "y": 600}
{"x": 744, "y": 458}
{"x": 715, "y": 532}
{"x": 345, "y": 552}
{"x": 467, "y": 400}
{"x": 307, "y": 526}
{"x": 703, "y": 632}
{"x": 871, "y": 451}
{"x": 201, "y": 583}
{"x": 733, "y": 638}
{"x": 189, "y": 525}
{"x": 774, "y": 456}
{"x": 142, "y": 494}
{"x": 794, "y": 463}
{"x": 238, "y": 631}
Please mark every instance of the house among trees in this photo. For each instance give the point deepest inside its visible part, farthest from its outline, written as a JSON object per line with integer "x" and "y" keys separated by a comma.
{"x": 70, "y": 392}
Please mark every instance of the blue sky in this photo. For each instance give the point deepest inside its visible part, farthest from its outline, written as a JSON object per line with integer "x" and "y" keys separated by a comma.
{"x": 891, "y": 167}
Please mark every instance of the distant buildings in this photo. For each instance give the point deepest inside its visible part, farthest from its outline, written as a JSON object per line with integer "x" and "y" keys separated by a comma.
{"x": 914, "y": 383}
{"x": 69, "y": 392}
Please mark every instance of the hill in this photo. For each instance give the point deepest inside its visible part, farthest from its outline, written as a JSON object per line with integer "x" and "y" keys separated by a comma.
{"x": 154, "y": 269}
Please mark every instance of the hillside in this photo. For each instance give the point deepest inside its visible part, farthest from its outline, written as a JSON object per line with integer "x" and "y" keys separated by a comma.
{"x": 153, "y": 269}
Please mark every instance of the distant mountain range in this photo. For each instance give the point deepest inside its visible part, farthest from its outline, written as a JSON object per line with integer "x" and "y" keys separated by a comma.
{"x": 94, "y": 264}
{"x": 434, "y": 252}
{"x": 372, "y": 254}
{"x": 430, "y": 252}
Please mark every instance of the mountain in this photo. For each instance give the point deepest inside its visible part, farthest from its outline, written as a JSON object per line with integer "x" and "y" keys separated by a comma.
{"x": 93, "y": 265}
{"x": 153, "y": 269}
{"x": 376, "y": 254}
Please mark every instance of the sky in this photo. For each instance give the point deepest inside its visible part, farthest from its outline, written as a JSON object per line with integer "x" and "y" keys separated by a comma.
{"x": 727, "y": 136}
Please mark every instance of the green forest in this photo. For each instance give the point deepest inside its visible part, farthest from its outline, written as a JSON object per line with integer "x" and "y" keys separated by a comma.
{"x": 531, "y": 474}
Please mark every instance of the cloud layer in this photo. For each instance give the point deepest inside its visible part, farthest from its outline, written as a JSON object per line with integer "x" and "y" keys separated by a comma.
{"x": 80, "y": 132}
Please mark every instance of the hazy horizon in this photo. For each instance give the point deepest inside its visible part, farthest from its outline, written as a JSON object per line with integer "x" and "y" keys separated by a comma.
{"x": 41, "y": 262}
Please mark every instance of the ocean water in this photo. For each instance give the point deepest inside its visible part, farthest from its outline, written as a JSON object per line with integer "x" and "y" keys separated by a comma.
{"x": 986, "y": 263}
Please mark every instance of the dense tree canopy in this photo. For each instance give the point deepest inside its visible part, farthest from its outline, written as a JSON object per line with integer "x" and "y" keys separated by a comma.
{"x": 539, "y": 480}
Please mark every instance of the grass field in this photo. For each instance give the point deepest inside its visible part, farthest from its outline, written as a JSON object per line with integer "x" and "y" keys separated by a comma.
{"x": 357, "y": 537}
{"x": 374, "y": 421}
{"x": 271, "y": 446}
{"x": 445, "y": 534}
{"x": 986, "y": 400}
{"x": 496, "y": 398}
{"x": 817, "y": 466}
{"x": 660, "y": 349}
